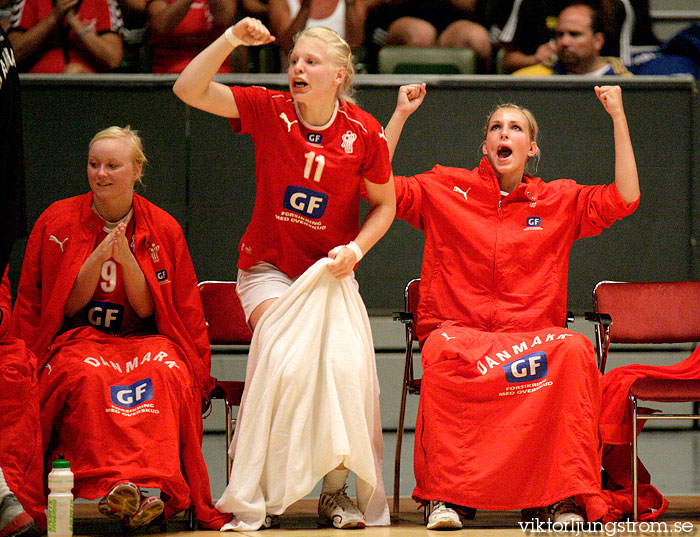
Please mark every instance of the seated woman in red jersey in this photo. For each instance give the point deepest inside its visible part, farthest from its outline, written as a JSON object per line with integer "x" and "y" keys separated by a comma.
{"x": 315, "y": 405}
{"x": 108, "y": 302}
{"x": 510, "y": 400}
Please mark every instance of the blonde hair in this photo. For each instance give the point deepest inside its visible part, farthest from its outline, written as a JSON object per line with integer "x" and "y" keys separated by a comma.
{"x": 340, "y": 53}
{"x": 132, "y": 138}
{"x": 532, "y": 127}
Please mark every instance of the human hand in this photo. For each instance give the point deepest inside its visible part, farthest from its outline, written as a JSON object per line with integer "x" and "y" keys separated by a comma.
{"x": 61, "y": 7}
{"x": 104, "y": 250}
{"x": 252, "y": 32}
{"x": 344, "y": 261}
{"x": 120, "y": 249}
{"x": 546, "y": 52}
{"x": 611, "y": 97}
{"x": 410, "y": 98}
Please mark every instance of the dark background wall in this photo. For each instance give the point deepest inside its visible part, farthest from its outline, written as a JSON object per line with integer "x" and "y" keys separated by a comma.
{"x": 203, "y": 174}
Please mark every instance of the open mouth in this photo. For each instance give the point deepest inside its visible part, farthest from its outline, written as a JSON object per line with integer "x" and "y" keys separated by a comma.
{"x": 300, "y": 84}
{"x": 504, "y": 152}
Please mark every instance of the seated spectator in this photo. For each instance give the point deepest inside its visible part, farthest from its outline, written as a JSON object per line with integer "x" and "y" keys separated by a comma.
{"x": 67, "y": 36}
{"x": 510, "y": 399}
{"x": 289, "y": 17}
{"x": 181, "y": 29}
{"x": 108, "y": 302}
{"x": 427, "y": 23}
{"x": 525, "y": 29}
{"x": 679, "y": 55}
{"x": 135, "y": 59}
{"x": 579, "y": 40}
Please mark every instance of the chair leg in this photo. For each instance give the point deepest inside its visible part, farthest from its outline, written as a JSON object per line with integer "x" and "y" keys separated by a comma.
{"x": 635, "y": 469}
{"x": 399, "y": 441}
{"x": 229, "y": 436}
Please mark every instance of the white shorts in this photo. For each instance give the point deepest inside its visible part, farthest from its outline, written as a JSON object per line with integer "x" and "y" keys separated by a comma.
{"x": 260, "y": 282}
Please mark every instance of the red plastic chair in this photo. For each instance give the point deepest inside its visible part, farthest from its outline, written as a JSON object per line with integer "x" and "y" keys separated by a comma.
{"x": 659, "y": 312}
{"x": 227, "y": 326}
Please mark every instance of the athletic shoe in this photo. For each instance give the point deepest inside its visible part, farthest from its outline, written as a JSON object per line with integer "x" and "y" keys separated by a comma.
{"x": 565, "y": 512}
{"x": 336, "y": 509}
{"x": 121, "y": 502}
{"x": 442, "y": 517}
{"x": 14, "y": 520}
{"x": 271, "y": 521}
{"x": 149, "y": 509}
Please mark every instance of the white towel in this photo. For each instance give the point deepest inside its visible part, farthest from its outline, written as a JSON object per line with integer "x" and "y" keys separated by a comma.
{"x": 311, "y": 402}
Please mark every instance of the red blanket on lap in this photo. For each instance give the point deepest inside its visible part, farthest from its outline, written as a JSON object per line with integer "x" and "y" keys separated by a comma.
{"x": 143, "y": 411}
{"x": 20, "y": 439}
{"x": 509, "y": 420}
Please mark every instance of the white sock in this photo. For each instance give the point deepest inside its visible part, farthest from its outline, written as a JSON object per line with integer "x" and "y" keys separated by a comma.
{"x": 4, "y": 489}
{"x": 334, "y": 480}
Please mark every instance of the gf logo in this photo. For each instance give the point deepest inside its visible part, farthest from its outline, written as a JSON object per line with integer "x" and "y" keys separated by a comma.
{"x": 314, "y": 138}
{"x": 530, "y": 367}
{"x": 133, "y": 394}
{"x": 533, "y": 222}
{"x": 105, "y": 316}
{"x": 304, "y": 201}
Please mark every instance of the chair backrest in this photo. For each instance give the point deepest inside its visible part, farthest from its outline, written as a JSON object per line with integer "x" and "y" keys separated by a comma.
{"x": 426, "y": 60}
{"x": 225, "y": 317}
{"x": 655, "y": 312}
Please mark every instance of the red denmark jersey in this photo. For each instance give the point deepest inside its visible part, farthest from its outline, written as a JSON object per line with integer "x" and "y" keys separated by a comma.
{"x": 109, "y": 310}
{"x": 172, "y": 52}
{"x": 307, "y": 179}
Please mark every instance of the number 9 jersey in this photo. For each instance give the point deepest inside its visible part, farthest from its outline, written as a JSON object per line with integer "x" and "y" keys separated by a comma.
{"x": 308, "y": 178}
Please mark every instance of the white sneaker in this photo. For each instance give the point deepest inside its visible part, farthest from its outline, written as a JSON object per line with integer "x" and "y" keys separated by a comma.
{"x": 442, "y": 517}
{"x": 566, "y": 512}
{"x": 337, "y": 509}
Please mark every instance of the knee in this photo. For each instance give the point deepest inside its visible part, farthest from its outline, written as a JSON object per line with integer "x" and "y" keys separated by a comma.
{"x": 464, "y": 33}
{"x": 412, "y": 32}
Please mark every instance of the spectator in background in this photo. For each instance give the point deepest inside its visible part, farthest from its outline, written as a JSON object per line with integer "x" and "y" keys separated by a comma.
{"x": 525, "y": 29}
{"x": 579, "y": 40}
{"x": 427, "y": 23}
{"x": 181, "y": 29}
{"x": 68, "y": 36}
{"x": 289, "y": 17}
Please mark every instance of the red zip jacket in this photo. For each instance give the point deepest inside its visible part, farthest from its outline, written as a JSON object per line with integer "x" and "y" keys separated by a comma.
{"x": 62, "y": 238}
{"x": 499, "y": 265}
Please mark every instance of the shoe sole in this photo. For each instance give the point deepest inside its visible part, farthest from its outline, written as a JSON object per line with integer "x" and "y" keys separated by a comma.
{"x": 348, "y": 526}
{"x": 147, "y": 515}
{"x": 124, "y": 499}
{"x": 445, "y": 525}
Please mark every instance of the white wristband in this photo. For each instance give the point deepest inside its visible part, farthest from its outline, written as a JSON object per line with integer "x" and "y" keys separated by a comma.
{"x": 356, "y": 249}
{"x": 232, "y": 38}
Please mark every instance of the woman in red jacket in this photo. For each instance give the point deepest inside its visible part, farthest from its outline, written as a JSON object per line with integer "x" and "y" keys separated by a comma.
{"x": 108, "y": 302}
{"x": 510, "y": 400}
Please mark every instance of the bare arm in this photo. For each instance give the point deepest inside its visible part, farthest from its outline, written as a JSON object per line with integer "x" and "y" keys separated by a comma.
{"x": 195, "y": 85}
{"x": 409, "y": 99}
{"x": 626, "y": 178}
{"x": 382, "y": 201}
{"x": 223, "y": 11}
{"x": 354, "y": 24}
{"x": 107, "y": 48}
{"x": 515, "y": 59}
{"x": 163, "y": 17}
{"x": 283, "y": 26}
{"x": 26, "y": 43}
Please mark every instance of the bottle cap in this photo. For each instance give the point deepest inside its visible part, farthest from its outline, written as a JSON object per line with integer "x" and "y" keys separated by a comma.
{"x": 61, "y": 462}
